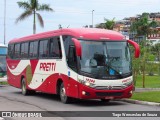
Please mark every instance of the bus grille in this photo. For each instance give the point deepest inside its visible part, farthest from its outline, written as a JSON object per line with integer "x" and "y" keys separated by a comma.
{"x": 110, "y": 88}
{"x": 101, "y": 94}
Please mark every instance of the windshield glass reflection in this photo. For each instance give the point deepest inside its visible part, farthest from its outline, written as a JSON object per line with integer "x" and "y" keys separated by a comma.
{"x": 105, "y": 59}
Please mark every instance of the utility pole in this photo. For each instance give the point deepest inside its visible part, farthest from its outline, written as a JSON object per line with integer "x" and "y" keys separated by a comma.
{"x": 4, "y": 21}
{"x": 92, "y": 18}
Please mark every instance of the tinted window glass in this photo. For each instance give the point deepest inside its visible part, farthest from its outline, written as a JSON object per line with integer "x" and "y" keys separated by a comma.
{"x": 24, "y": 50}
{"x": 55, "y": 47}
{"x": 72, "y": 61}
{"x": 43, "y": 49}
{"x": 17, "y": 51}
{"x": 67, "y": 42}
{"x": 33, "y": 48}
{"x": 11, "y": 51}
{"x": 2, "y": 64}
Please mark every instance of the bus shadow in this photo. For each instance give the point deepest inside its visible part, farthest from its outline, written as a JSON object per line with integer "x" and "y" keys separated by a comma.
{"x": 40, "y": 95}
{"x": 76, "y": 102}
{"x": 94, "y": 103}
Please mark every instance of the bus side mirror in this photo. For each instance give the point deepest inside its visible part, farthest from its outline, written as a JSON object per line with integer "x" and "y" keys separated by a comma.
{"x": 77, "y": 46}
{"x": 136, "y": 47}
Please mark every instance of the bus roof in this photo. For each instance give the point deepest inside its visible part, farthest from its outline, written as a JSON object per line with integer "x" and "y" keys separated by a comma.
{"x": 83, "y": 33}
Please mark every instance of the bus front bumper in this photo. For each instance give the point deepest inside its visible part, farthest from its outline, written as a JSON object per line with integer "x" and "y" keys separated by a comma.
{"x": 91, "y": 93}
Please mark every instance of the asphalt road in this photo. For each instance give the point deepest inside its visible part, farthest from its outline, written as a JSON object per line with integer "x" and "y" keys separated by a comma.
{"x": 12, "y": 100}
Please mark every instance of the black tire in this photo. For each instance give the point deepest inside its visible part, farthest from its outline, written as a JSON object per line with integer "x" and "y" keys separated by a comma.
{"x": 105, "y": 100}
{"x": 23, "y": 87}
{"x": 25, "y": 91}
{"x": 64, "y": 98}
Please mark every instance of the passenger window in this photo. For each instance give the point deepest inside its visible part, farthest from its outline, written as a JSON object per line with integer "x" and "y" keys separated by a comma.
{"x": 33, "y": 49}
{"x": 55, "y": 48}
{"x": 43, "y": 49}
{"x": 17, "y": 51}
{"x": 24, "y": 50}
{"x": 11, "y": 50}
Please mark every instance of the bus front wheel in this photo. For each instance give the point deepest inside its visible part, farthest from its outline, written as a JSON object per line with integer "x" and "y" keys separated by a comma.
{"x": 64, "y": 98}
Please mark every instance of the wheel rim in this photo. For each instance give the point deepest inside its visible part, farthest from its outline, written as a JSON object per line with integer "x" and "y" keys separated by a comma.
{"x": 23, "y": 88}
{"x": 63, "y": 93}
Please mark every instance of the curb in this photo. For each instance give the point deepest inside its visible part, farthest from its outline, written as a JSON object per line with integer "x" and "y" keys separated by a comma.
{"x": 146, "y": 89}
{"x": 141, "y": 102}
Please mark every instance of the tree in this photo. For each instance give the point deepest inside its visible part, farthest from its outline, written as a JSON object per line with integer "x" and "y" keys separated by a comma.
{"x": 109, "y": 24}
{"x": 135, "y": 66}
{"x": 156, "y": 50}
{"x": 32, "y": 7}
{"x": 143, "y": 27}
{"x": 101, "y": 25}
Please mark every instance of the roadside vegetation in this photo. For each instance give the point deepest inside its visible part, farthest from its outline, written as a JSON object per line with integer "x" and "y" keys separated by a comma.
{"x": 3, "y": 83}
{"x": 151, "y": 96}
{"x": 150, "y": 81}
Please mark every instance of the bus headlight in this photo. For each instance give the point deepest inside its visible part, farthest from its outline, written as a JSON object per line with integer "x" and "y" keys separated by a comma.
{"x": 128, "y": 83}
{"x": 86, "y": 83}
{"x": 90, "y": 84}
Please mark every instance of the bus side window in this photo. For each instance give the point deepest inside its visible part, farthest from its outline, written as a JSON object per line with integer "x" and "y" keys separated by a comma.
{"x": 33, "y": 49}
{"x": 43, "y": 49}
{"x": 72, "y": 59}
{"x": 17, "y": 51}
{"x": 67, "y": 40}
{"x": 55, "y": 48}
{"x": 24, "y": 50}
{"x": 11, "y": 50}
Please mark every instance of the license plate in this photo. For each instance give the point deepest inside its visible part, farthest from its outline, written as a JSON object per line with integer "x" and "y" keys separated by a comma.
{"x": 109, "y": 97}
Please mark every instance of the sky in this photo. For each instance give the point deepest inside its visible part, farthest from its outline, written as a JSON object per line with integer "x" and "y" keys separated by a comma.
{"x": 71, "y": 13}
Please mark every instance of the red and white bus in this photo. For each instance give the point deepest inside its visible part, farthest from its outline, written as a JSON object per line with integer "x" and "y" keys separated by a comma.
{"x": 84, "y": 63}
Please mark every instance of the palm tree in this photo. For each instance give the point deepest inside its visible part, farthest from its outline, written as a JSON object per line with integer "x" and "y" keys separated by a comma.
{"x": 32, "y": 7}
{"x": 109, "y": 24}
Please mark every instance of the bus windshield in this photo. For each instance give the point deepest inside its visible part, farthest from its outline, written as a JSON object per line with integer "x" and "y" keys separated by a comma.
{"x": 105, "y": 59}
{"x": 3, "y": 52}
{"x": 2, "y": 63}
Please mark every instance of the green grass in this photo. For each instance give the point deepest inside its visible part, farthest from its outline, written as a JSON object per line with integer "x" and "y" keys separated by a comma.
{"x": 3, "y": 83}
{"x": 150, "y": 81}
{"x": 152, "y": 96}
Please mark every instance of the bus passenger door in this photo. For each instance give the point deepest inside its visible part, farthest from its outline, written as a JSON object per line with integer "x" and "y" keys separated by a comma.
{"x": 72, "y": 73}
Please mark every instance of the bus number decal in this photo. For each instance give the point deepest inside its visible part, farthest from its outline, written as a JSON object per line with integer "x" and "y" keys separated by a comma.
{"x": 90, "y": 80}
{"x": 126, "y": 80}
{"x": 47, "y": 66}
